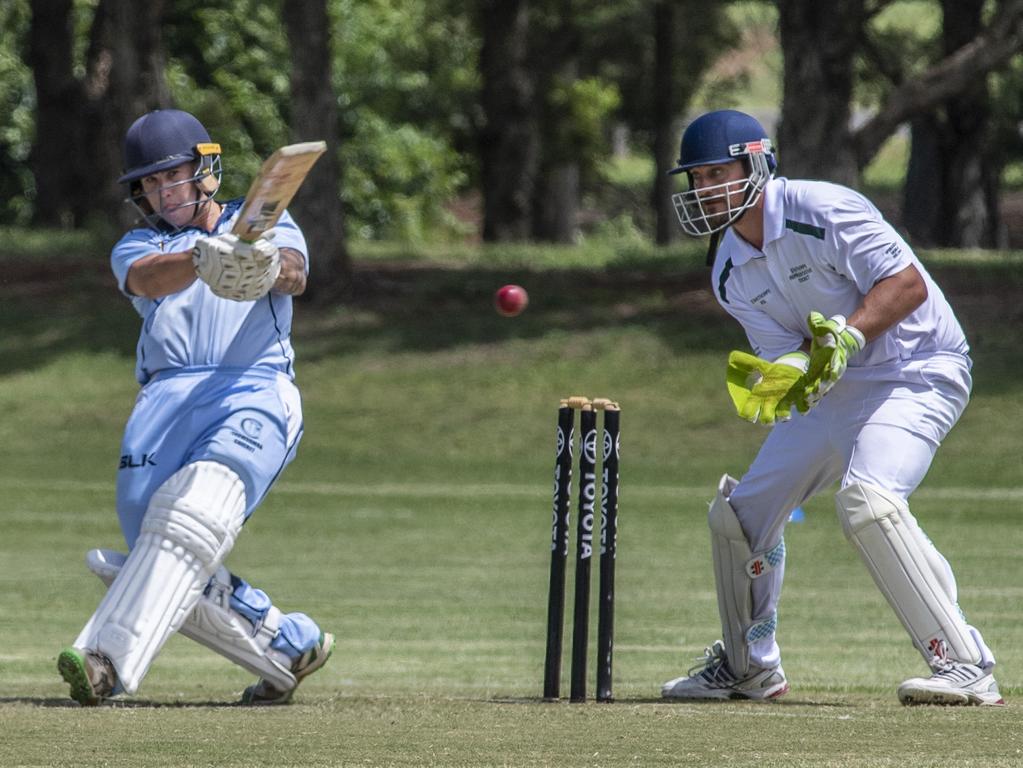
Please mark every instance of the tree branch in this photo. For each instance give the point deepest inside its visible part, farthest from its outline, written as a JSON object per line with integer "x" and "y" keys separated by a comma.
{"x": 1002, "y": 38}
{"x": 889, "y": 67}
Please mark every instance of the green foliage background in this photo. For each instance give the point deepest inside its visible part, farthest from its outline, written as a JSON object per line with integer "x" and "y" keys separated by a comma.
{"x": 407, "y": 83}
{"x": 16, "y": 115}
{"x": 405, "y": 75}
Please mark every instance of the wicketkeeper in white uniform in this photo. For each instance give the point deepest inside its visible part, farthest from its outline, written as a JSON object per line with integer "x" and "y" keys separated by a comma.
{"x": 216, "y": 421}
{"x": 861, "y": 362}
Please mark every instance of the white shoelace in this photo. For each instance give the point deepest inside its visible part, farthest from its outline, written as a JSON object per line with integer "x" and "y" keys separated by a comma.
{"x": 713, "y": 666}
{"x": 953, "y": 671}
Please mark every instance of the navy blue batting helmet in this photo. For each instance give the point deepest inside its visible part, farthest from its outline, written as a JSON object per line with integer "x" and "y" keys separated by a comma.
{"x": 163, "y": 139}
{"x": 720, "y": 137}
{"x": 712, "y": 139}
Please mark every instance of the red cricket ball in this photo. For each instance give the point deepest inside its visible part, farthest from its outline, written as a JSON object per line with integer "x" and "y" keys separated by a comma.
{"x": 510, "y": 300}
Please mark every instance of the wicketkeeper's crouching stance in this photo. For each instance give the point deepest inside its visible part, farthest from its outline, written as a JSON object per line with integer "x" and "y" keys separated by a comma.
{"x": 216, "y": 421}
{"x": 874, "y": 396}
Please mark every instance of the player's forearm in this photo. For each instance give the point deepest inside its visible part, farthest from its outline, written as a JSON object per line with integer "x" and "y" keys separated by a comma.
{"x": 888, "y": 302}
{"x": 292, "y": 279}
{"x": 161, "y": 274}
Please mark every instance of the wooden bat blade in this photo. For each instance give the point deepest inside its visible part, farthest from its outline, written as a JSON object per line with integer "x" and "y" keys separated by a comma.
{"x": 274, "y": 186}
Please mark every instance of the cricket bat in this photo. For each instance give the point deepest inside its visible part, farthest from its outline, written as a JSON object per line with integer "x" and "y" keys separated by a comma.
{"x": 276, "y": 183}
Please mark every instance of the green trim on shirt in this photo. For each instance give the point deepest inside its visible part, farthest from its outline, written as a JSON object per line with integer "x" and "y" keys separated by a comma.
{"x": 723, "y": 279}
{"x": 805, "y": 229}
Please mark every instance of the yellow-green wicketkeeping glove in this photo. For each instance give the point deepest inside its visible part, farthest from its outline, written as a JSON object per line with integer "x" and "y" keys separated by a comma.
{"x": 764, "y": 392}
{"x": 833, "y": 342}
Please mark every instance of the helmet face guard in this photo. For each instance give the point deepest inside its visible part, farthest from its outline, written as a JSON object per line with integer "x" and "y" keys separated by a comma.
{"x": 692, "y": 205}
{"x": 165, "y": 139}
{"x": 717, "y": 138}
{"x": 206, "y": 177}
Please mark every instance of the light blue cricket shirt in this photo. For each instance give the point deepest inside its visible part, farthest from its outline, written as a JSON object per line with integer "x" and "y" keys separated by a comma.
{"x": 195, "y": 328}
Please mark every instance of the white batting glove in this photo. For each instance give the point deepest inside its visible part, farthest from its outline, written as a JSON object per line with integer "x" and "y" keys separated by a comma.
{"x": 235, "y": 269}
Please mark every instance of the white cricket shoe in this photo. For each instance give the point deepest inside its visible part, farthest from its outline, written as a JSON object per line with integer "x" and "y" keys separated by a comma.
{"x": 712, "y": 678}
{"x": 953, "y": 683}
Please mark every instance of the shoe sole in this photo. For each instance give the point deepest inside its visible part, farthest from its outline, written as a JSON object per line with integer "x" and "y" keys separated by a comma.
{"x": 725, "y": 694}
{"x": 327, "y": 645}
{"x": 249, "y": 700}
{"x": 947, "y": 699}
{"x": 71, "y": 665}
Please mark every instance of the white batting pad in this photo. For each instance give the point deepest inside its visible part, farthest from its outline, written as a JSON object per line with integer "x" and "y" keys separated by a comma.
{"x": 214, "y": 624}
{"x": 909, "y": 571}
{"x": 191, "y": 524}
{"x": 735, "y": 568}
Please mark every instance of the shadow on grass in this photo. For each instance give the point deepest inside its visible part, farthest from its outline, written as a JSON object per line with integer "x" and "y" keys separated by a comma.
{"x": 651, "y": 700}
{"x": 410, "y": 307}
{"x": 65, "y": 703}
{"x": 48, "y": 310}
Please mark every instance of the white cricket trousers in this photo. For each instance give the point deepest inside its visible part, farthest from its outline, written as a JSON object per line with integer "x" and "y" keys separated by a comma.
{"x": 870, "y": 428}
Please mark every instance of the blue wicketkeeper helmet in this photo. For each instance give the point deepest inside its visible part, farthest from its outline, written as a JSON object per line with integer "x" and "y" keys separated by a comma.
{"x": 722, "y": 137}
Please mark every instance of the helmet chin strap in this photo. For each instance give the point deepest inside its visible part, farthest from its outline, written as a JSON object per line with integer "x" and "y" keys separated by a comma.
{"x": 712, "y": 246}
{"x": 157, "y": 218}
{"x": 202, "y": 205}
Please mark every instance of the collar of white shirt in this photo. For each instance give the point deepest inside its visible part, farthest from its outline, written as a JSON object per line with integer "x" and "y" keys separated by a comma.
{"x": 774, "y": 224}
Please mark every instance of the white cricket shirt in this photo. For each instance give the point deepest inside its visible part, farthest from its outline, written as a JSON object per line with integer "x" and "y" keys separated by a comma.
{"x": 825, "y": 246}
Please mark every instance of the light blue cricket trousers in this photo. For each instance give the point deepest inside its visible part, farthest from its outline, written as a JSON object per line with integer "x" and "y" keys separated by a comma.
{"x": 249, "y": 420}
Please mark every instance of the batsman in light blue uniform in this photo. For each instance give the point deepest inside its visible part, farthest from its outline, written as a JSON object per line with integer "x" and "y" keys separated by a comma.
{"x": 217, "y": 419}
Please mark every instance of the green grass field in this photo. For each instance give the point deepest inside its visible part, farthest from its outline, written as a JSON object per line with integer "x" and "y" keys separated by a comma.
{"x": 415, "y": 525}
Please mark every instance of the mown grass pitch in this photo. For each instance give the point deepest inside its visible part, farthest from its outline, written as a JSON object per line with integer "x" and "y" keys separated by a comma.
{"x": 415, "y": 524}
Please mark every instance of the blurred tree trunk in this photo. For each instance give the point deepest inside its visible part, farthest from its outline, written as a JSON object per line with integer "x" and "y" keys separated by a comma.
{"x": 124, "y": 79}
{"x": 58, "y": 114}
{"x": 666, "y": 113}
{"x": 554, "y": 62}
{"x": 924, "y": 186}
{"x": 317, "y": 206}
{"x": 819, "y": 41}
{"x": 688, "y": 36}
{"x": 951, "y": 189}
{"x": 81, "y": 124}
{"x": 556, "y": 202}
{"x": 508, "y": 140}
